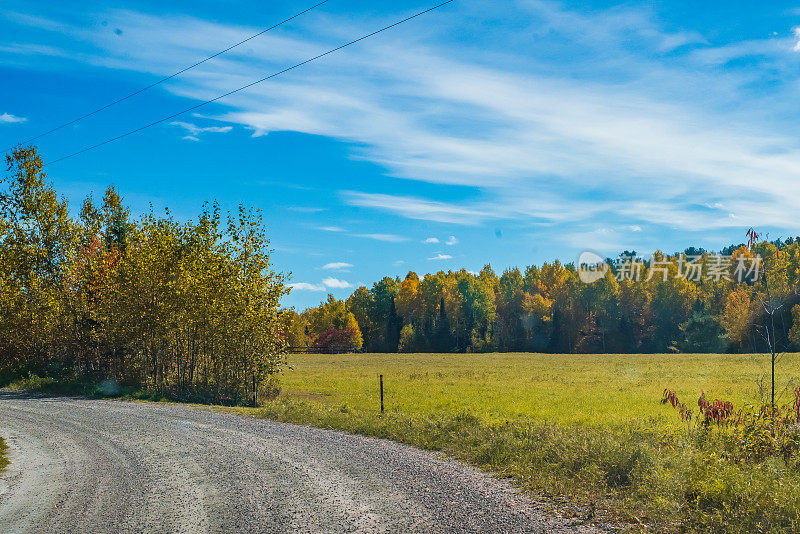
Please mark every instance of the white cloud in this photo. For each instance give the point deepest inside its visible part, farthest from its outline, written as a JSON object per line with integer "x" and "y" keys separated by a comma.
{"x": 796, "y": 31}
{"x": 441, "y": 257}
{"x": 331, "y": 229}
{"x": 621, "y": 117}
{"x": 305, "y": 286}
{"x": 451, "y": 240}
{"x": 601, "y": 239}
{"x": 339, "y": 265}
{"x": 389, "y": 238}
{"x": 635, "y": 228}
{"x": 7, "y": 118}
{"x": 417, "y": 208}
{"x": 431, "y": 240}
{"x": 305, "y": 209}
{"x": 336, "y": 283}
{"x": 195, "y": 131}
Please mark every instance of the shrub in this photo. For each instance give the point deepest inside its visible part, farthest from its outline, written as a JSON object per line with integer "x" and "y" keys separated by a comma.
{"x": 406, "y": 339}
{"x": 338, "y": 340}
{"x": 32, "y": 383}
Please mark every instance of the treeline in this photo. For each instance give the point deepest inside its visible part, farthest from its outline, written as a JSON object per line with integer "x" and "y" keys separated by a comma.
{"x": 549, "y": 309}
{"x": 190, "y": 309}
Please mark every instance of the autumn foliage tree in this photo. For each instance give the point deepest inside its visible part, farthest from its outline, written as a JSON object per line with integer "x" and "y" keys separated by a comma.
{"x": 333, "y": 327}
{"x": 548, "y": 309}
{"x": 186, "y": 308}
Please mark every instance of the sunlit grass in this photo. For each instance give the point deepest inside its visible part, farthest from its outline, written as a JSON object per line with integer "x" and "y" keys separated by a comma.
{"x": 594, "y": 389}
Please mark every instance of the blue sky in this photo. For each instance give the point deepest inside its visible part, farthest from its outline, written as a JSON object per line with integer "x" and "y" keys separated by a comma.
{"x": 507, "y": 133}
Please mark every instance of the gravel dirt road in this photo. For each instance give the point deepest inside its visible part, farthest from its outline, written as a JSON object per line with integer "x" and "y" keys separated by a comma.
{"x": 107, "y": 466}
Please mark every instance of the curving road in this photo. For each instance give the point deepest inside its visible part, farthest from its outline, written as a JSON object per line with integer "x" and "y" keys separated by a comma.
{"x": 108, "y": 466}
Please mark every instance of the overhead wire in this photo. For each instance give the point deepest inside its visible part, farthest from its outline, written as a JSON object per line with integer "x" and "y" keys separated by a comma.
{"x": 242, "y": 88}
{"x": 173, "y": 75}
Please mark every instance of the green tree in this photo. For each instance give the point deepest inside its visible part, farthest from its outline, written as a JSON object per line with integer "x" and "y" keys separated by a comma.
{"x": 385, "y": 315}
{"x": 701, "y": 333}
{"x": 362, "y": 305}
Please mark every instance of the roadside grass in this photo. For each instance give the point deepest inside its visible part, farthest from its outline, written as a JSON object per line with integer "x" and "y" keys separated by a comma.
{"x": 110, "y": 389}
{"x": 585, "y": 432}
{"x": 82, "y": 388}
{"x": 3, "y": 454}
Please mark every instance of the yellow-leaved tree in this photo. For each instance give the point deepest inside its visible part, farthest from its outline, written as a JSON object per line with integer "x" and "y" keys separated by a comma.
{"x": 189, "y": 308}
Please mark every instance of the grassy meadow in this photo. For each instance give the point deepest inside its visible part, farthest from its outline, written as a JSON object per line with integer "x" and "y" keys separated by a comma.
{"x": 591, "y": 389}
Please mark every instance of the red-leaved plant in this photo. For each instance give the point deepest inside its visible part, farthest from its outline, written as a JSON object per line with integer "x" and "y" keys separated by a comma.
{"x": 755, "y": 434}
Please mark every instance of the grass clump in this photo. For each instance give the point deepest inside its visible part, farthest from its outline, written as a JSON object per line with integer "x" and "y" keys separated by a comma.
{"x": 74, "y": 387}
{"x": 70, "y": 385}
{"x": 33, "y": 382}
{"x": 3, "y": 454}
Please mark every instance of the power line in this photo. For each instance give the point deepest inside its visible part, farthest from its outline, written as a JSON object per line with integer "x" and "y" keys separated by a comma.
{"x": 331, "y": 51}
{"x": 162, "y": 80}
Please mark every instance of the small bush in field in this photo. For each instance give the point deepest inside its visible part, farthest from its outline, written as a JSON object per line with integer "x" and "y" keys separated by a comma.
{"x": 336, "y": 340}
{"x": 670, "y": 397}
{"x": 716, "y": 411}
{"x": 755, "y": 434}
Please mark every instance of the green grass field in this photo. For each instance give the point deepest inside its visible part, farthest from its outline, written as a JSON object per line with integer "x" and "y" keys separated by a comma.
{"x": 594, "y": 389}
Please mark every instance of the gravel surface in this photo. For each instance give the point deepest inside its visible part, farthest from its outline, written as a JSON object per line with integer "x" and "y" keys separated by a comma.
{"x": 107, "y": 466}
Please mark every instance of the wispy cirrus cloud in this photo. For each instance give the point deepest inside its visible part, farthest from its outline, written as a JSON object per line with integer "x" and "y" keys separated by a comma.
{"x": 195, "y": 131}
{"x": 441, "y": 256}
{"x": 417, "y": 208}
{"x": 389, "y": 238}
{"x": 305, "y": 209}
{"x": 639, "y": 111}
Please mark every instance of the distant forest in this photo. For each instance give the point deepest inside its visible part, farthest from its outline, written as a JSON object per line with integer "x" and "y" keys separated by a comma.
{"x": 549, "y": 309}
